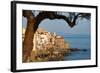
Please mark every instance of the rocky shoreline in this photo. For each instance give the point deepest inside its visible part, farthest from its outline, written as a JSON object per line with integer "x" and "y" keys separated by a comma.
{"x": 52, "y": 54}
{"x": 76, "y": 49}
{"x": 49, "y": 55}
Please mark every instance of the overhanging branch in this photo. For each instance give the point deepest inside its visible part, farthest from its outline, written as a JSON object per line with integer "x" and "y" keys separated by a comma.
{"x": 52, "y": 15}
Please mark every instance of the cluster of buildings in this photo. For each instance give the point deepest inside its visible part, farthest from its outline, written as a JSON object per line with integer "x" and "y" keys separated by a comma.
{"x": 47, "y": 40}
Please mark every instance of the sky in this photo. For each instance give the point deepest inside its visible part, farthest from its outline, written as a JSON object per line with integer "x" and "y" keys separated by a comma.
{"x": 62, "y": 28}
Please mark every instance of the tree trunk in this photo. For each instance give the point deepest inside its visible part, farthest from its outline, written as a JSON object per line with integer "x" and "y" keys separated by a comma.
{"x": 28, "y": 39}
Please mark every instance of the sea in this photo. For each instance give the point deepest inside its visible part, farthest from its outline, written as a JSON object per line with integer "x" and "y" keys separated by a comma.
{"x": 80, "y": 42}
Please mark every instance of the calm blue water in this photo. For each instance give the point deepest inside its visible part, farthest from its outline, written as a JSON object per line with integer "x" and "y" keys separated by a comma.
{"x": 81, "y": 43}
